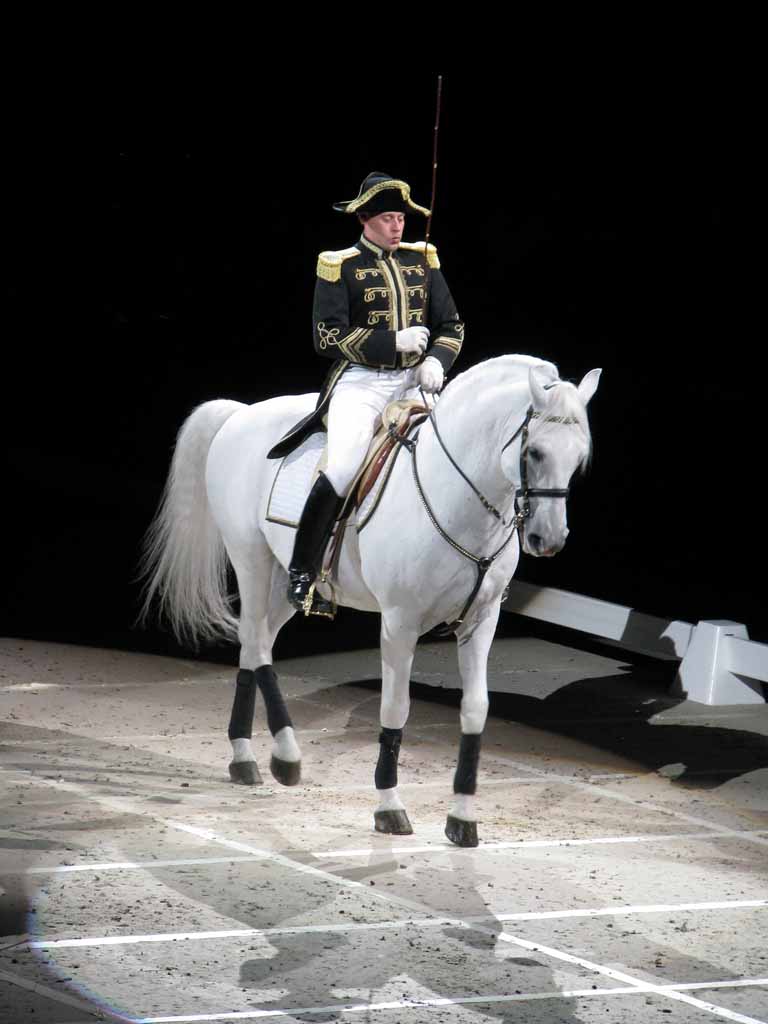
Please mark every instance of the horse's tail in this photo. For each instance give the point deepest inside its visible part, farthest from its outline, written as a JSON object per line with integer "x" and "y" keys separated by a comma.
{"x": 184, "y": 561}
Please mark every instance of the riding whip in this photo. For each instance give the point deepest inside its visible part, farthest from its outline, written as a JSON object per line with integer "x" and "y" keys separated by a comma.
{"x": 434, "y": 187}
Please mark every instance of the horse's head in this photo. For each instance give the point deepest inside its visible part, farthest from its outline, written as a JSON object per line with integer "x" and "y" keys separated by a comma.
{"x": 543, "y": 454}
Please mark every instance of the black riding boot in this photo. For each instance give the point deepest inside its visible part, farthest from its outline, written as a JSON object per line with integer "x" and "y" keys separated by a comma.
{"x": 315, "y": 527}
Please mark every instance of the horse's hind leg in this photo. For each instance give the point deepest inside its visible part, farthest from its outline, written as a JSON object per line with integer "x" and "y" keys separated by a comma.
{"x": 474, "y": 645}
{"x": 398, "y": 642}
{"x": 264, "y": 610}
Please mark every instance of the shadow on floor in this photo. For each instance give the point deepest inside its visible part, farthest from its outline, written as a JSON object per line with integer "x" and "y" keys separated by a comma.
{"x": 612, "y": 713}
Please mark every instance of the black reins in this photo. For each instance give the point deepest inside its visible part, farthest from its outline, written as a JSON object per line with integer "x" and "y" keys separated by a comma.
{"x": 522, "y": 504}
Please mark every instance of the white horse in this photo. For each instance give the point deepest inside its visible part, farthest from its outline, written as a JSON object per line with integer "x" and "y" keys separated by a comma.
{"x": 507, "y": 434}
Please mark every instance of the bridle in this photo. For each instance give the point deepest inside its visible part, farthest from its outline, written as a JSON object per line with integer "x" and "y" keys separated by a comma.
{"x": 525, "y": 492}
{"x": 522, "y": 503}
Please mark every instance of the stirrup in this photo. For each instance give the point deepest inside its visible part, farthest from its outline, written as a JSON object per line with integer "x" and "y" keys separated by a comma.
{"x": 316, "y": 604}
{"x": 309, "y": 602}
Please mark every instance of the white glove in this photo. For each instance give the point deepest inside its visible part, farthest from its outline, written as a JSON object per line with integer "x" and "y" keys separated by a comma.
{"x": 412, "y": 339}
{"x": 430, "y": 374}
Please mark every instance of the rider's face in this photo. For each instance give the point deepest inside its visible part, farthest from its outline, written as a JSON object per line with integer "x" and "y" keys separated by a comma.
{"x": 385, "y": 230}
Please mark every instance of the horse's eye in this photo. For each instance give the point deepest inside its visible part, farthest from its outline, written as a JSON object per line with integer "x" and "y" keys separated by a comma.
{"x": 534, "y": 454}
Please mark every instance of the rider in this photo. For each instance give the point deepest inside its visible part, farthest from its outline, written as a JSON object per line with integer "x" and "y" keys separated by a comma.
{"x": 385, "y": 316}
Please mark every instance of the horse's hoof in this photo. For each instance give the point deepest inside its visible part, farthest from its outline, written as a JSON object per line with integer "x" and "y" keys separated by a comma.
{"x": 462, "y": 833}
{"x": 245, "y": 773}
{"x": 393, "y": 823}
{"x": 287, "y": 773}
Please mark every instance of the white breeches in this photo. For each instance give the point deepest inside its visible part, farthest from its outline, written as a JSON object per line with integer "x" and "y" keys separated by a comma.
{"x": 354, "y": 415}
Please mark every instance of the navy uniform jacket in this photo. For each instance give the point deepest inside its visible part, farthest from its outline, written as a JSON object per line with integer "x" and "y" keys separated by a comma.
{"x": 363, "y": 296}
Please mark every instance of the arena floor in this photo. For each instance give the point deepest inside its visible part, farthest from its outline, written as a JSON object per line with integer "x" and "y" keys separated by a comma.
{"x": 621, "y": 873}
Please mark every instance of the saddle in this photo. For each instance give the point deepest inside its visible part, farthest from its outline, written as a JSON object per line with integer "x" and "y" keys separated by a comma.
{"x": 397, "y": 419}
{"x": 300, "y": 468}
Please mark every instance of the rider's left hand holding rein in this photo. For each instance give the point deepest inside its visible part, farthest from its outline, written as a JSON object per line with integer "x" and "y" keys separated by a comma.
{"x": 430, "y": 374}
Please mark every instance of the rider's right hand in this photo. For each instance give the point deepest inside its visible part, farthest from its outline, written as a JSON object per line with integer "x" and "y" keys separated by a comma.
{"x": 412, "y": 339}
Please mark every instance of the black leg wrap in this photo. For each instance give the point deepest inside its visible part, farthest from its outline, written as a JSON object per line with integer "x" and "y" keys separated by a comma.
{"x": 389, "y": 752}
{"x": 241, "y": 722}
{"x": 465, "y": 779}
{"x": 277, "y": 713}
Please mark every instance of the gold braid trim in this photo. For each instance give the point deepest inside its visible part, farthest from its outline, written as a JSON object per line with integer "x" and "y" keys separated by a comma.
{"x": 352, "y": 346}
{"x": 329, "y": 263}
{"x": 432, "y": 259}
{"x": 403, "y": 188}
{"x": 450, "y": 343}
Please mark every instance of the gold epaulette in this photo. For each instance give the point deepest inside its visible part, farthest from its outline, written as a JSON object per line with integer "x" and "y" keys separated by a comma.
{"x": 432, "y": 259}
{"x": 329, "y": 263}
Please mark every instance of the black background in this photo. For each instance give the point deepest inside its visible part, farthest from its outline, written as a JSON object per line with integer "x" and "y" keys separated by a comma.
{"x": 590, "y": 225}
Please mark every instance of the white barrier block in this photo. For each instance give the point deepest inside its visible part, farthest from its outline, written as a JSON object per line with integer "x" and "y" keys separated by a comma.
{"x": 747, "y": 658}
{"x": 705, "y": 672}
{"x": 647, "y": 634}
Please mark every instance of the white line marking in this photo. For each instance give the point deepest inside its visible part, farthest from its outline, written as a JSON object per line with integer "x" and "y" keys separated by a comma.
{"x": 614, "y": 775}
{"x": 737, "y": 983}
{"x": 651, "y": 908}
{"x": 84, "y": 684}
{"x": 538, "y": 915}
{"x": 536, "y": 843}
{"x": 134, "y": 865}
{"x": 415, "y": 1004}
{"x": 124, "y": 940}
{"x": 67, "y": 737}
{"x": 29, "y": 687}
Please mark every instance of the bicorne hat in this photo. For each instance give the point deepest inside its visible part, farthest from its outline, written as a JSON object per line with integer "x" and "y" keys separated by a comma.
{"x": 380, "y": 193}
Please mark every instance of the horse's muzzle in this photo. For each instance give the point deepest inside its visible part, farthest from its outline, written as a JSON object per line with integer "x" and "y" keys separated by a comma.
{"x": 541, "y": 548}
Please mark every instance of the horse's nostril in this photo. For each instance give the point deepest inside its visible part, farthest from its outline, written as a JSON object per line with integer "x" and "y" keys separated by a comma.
{"x": 534, "y": 541}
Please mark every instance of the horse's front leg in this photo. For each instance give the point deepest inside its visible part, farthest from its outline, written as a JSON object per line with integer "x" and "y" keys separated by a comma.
{"x": 398, "y": 642}
{"x": 474, "y": 643}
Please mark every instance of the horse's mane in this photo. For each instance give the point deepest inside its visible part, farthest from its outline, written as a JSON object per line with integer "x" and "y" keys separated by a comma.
{"x": 508, "y": 369}
{"x": 565, "y": 403}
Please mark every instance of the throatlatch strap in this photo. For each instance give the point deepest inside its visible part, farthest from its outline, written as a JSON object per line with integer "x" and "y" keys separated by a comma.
{"x": 465, "y": 779}
{"x": 277, "y": 713}
{"x": 241, "y": 722}
{"x": 389, "y": 751}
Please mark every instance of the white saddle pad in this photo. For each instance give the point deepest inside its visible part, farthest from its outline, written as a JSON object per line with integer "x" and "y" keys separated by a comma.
{"x": 295, "y": 477}
{"x": 294, "y": 480}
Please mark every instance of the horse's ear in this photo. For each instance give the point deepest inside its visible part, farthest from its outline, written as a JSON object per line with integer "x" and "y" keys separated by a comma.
{"x": 537, "y": 378}
{"x": 588, "y": 386}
